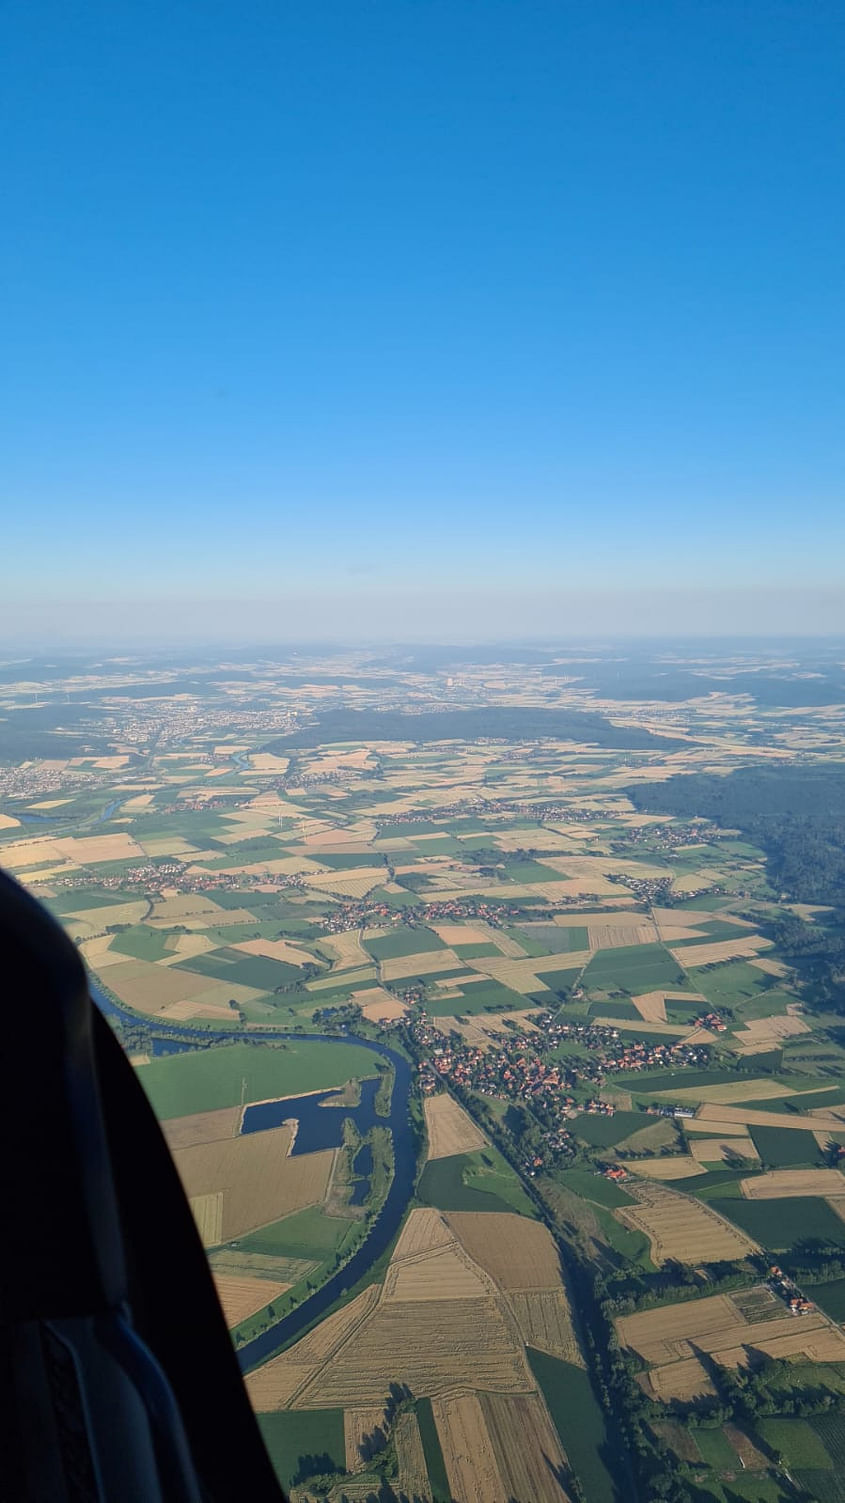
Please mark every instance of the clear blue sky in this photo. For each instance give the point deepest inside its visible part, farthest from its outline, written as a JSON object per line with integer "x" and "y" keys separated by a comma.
{"x": 412, "y": 317}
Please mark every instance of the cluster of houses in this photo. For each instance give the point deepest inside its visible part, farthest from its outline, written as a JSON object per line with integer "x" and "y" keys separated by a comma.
{"x": 517, "y": 1067}
{"x": 370, "y": 912}
{"x": 789, "y": 1292}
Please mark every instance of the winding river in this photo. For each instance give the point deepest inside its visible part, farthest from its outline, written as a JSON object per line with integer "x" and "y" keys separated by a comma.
{"x": 386, "y": 1224}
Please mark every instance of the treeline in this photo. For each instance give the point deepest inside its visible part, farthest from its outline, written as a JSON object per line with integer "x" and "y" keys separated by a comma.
{"x": 675, "y": 1282}
{"x": 489, "y": 722}
{"x": 796, "y": 815}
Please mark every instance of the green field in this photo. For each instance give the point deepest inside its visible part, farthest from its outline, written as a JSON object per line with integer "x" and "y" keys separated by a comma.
{"x": 435, "y": 1465}
{"x": 798, "y": 1442}
{"x": 480, "y": 1181}
{"x": 476, "y": 996}
{"x": 400, "y": 942}
{"x": 605, "y": 1132}
{"x": 303, "y": 1443}
{"x": 781, "y": 1224}
{"x": 305, "y": 1234}
{"x": 634, "y": 968}
{"x": 830, "y": 1297}
{"x": 234, "y": 966}
{"x": 729, "y": 984}
{"x": 579, "y": 1421}
{"x": 594, "y": 1187}
{"x": 716, "y": 1450}
{"x": 205, "y": 1079}
{"x": 785, "y": 1147}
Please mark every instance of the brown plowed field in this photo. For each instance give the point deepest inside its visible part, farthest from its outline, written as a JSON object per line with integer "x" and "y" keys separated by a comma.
{"x": 241, "y": 1296}
{"x": 720, "y": 1119}
{"x": 526, "y": 1447}
{"x": 444, "y": 1274}
{"x": 432, "y": 1345}
{"x": 779, "y": 1184}
{"x": 424, "y": 1230}
{"x": 680, "y": 1227}
{"x": 667, "y": 1338}
{"x": 545, "y": 1321}
{"x": 413, "y": 1473}
{"x": 450, "y": 1129}
{"x": 680, "y": 1380}
{"x": 516, "y": 1252}
{"x": 471, "y": 1464}
{"x": 274, "y": 1385}
{"x": 258, "y": 1180}
{"x": 201, "y": 1127}
{"x": 361, "y": 1427}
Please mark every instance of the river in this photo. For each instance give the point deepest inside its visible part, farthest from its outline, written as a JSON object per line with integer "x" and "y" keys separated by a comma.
{"x": 382, "y": 1230}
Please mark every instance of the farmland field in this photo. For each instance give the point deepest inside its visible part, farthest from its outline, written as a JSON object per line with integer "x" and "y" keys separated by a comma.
{"x": 210, "y": 1078}
{"x": 523, "y": 881}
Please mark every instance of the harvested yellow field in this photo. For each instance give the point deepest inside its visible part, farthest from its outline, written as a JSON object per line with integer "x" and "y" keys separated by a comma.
{"x": 673, "y": 1166}
{"x": 779, "y": 1184}
{"x": 682, "y": 1228}
{"x": 762, "y": 1034}
{"x": 419, "y": 965}
{"x": 471, "y": 1465}
{"x": 89, "y": 849}
{"x": 723, "y": 1119}
{"x": 356, "y": 886}
{"x": 23, "y": 853}
{"x": 169, "y": 845}
{"x": 241, "y": 1297}
{"x": 267, "y": 762}
{"x": 255, "y": 1176}
{"x": 276, "y": 949}
{"x": 522, "y": 975}
{"x": 651, "y": 1006}
{"x": 526, "y": 1447}
{"x": 450, "y": 1129}
{"x": 516, "y": 1252}
{"x": 610, "y": 936}
{"x": 664, "y": 1334}
{"x": 183, "y": 946}
{"x": 178, "y": 907}
{"x": 424, "y": 1230}
{"x": 770, "y": 967}
{"x": 115, "y": 913}
{"x": 346, "y": 948}
{"x": 460, "y": 934}
{"x": 716, "y": 1150}
{"x": 670, "y": 1336}
{"x": 725, "y": 949}
{"x": 364, "y": 1431}
{"x": 378, "y": 1006}
{"x": 201, "y": 1127}
{"x": 328, "y": 983}
{"x": 274, "y": 1385}
{"x": 684, "y": 1380}
{"x": 149, "y": 988}
{"x": 723, "y": 1095}
{"x": 413, "y": 1473}
{"x": 432, "y": 1345}
{"x": 545, "y": 1321}
{"x": 207, "y": 1211}
{"x": 444, "y": 1273}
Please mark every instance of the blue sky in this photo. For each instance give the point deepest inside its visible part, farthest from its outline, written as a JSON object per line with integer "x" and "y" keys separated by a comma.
{"x": 421, "y": 317}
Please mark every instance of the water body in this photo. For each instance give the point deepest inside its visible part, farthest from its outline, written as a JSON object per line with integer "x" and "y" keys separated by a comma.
{"x": 320, "y": 1122}
{"x": 381, "y": 1231}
